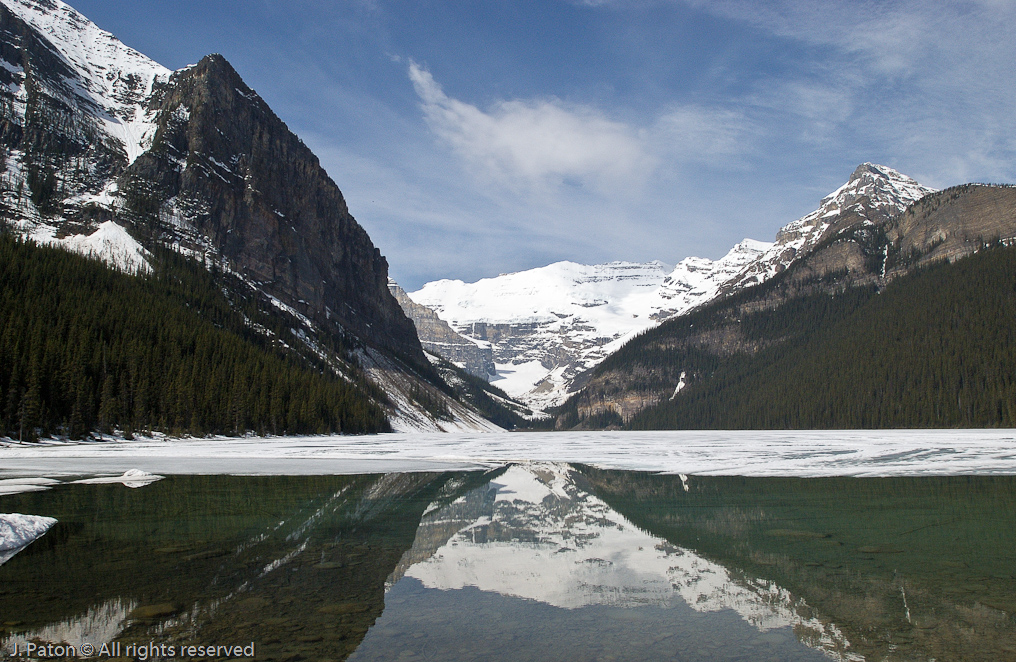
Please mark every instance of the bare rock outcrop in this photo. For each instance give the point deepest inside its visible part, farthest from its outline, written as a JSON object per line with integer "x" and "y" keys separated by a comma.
{"x": 439, "y": 338}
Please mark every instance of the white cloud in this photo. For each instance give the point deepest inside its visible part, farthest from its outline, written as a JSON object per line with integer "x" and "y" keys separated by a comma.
{"x": 537, "y": 143}
{"x": 541, "y": 144}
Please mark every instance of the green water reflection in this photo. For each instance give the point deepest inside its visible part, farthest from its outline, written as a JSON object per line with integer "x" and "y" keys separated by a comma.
{"x": 316, "y": 567}
{"x": 907, "y": 568}
{"x": 296, "y": 565}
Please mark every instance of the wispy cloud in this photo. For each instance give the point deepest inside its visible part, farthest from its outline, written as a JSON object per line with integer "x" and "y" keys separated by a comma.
{"x": 928, "y": 81}
{"x": 704, "y": 136}
{"x": 895, "y": 37}
{"x": 536, "y": 143}
{"x": 545, "y": 143}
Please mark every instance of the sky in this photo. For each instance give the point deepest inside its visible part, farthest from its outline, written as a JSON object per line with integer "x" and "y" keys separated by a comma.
{"x": 477, "y": 137}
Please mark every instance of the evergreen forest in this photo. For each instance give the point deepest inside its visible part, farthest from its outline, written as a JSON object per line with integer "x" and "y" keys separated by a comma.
{"x": 934, "y": 348}
{"x": 85, "y": 348}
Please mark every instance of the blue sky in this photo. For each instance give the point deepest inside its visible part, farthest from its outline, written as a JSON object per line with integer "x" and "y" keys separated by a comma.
{"x": 476, "y": 137}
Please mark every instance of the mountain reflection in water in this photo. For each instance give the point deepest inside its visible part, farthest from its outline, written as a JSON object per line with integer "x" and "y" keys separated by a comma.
{"x": 532, "y": 561}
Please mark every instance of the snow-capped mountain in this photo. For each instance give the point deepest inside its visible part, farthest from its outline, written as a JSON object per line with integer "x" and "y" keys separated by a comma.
{"x": 872, "y": 195}
{"x": 547, "y": 326}
{"x": 111, "y": 78}
{"x": 74, "y": 65}
{"x": 112, "y": 155}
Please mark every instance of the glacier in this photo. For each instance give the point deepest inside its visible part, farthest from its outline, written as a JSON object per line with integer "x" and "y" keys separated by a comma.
{"x": 550, "y": 324}
{"x": 547, "y": 326}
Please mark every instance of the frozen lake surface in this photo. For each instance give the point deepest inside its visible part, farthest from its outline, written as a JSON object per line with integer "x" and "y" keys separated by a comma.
{"x": 704, "y": 453}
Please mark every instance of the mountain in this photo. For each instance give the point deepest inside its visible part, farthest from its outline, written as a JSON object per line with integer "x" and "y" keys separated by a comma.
{"x": 873, "y": 195}
{"x": 109, "y": 154}
{"x": 548, "y": 327}
{"x": 473, "y": 356}
{"x": 903, "y": 322}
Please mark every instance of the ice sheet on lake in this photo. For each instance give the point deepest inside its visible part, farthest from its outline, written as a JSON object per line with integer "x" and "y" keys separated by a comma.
{"x": 20, "y": 485}
{"x": 716, "y": 453}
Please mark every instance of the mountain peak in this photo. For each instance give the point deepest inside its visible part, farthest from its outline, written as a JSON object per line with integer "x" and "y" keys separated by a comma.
{"x": 884, "y": 188}
{"x": 879, "y": 171}
{"x": 869, "y": 168}
{"x": 873, "y": 194}
{"x": 103, "y": 60}
{"x": 89, "y": 65}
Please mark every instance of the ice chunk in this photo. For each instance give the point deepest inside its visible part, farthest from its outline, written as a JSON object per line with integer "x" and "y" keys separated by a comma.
{"x": 132, "y": 478}
{"x": 17, "y": 531}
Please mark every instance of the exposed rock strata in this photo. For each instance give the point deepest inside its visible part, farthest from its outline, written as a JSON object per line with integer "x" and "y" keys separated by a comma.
{"x": 439, "y": 338}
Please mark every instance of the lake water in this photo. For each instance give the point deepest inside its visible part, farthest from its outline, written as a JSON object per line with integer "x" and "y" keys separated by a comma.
{"x": 540, "y": 560}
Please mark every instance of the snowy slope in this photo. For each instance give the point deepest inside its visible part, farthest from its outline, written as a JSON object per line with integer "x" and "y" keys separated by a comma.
{"x": 548, "y": 325}
{"x": 109, "y": 243}
{"x": 111, "y": 76}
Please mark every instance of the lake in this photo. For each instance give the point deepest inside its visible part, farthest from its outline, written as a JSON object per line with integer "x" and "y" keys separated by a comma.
{"x": 482, "y": 559}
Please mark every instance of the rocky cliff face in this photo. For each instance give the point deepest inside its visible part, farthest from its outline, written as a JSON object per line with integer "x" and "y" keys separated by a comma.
{"x": 438, "y": 338}
{"x": 94, "y": 131}
{"x": 108, "y": 153}
{"x": 952, "y": 224}
{"x": 224, "y": 173}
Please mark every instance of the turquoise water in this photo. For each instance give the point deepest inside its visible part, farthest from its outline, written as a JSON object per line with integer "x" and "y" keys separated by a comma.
{"x": 528, "y": 562}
